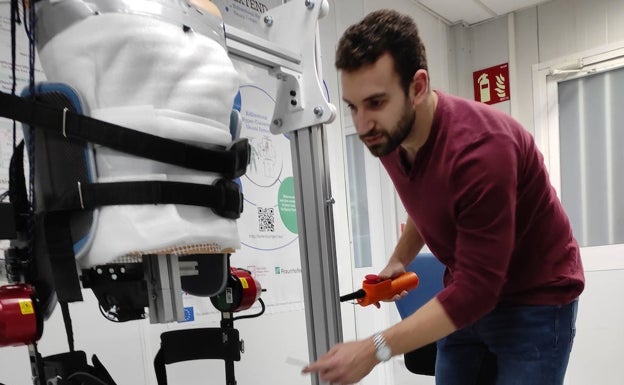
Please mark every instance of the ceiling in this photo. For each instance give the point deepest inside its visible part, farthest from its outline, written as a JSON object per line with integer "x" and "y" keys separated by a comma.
{"x": 474, "y": 11}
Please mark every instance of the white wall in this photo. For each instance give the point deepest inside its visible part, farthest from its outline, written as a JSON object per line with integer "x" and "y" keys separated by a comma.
{"x": 551, "y": 30}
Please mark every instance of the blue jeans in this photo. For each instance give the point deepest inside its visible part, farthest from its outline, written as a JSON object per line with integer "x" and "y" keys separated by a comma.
{"x": 512, "y": 345}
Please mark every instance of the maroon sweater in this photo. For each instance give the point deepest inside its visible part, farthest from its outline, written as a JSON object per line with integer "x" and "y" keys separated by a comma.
{"x": 479, "y": 194}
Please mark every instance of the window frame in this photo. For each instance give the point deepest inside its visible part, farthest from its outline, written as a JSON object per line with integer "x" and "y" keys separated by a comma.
{"x": 546, "y": 77}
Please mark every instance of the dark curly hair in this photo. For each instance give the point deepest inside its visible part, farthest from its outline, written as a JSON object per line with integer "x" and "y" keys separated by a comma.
{"x": 380, "y": 32}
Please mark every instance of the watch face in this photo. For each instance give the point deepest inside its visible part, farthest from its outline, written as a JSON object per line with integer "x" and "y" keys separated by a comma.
{"x": 383, "y": 353}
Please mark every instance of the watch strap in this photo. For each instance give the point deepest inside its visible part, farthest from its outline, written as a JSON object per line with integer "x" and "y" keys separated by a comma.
{"x": 382, "y": 350}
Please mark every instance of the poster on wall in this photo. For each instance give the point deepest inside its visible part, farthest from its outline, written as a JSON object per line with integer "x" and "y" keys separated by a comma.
{"x": 268, "y": 224}
{"x": 491, "y": 85}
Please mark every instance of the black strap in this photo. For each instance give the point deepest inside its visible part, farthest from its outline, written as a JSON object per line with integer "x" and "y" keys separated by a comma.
{"x": 223, "y": 197}
{"x": 72, "y": 368}
{"x": 17, "y": 187}
{"x": 196, "y": 344}
{"x": 67, "y": 321}
{"x": 62, "y": 259}
{"x": 159, "y": 368}
{"x": 230, "y": 161}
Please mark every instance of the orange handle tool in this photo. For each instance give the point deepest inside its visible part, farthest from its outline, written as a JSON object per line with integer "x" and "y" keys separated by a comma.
{"x": 377, "y": 289}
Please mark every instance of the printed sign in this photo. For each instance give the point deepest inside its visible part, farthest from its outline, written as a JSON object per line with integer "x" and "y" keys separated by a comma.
{"x": 491, "y": 85}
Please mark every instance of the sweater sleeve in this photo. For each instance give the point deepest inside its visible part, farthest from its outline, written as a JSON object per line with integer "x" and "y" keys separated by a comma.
{"x": 484, "y": 185}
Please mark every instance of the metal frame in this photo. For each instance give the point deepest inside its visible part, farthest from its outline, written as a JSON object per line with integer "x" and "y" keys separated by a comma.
{"x": 291, "y": 55}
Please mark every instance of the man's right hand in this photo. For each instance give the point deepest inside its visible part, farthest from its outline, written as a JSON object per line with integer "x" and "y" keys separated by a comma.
{"x": 393, "y": 268}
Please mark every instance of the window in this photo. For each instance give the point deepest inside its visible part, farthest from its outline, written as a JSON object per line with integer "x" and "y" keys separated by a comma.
{"x": 358, "y": 198}
{"x": 591, "y": 143}
{"x": 579, "y": 126}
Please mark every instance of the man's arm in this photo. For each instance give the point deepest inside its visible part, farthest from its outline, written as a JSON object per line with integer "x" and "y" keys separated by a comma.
{"x": 409, "y": 245}
{"x": 428, "y": 324}
{"x": 349, "y": 362}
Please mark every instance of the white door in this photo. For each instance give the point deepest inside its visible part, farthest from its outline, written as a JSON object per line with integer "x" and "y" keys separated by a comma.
{"x": 372, "y": 220}
{"x": 580, "y": 130}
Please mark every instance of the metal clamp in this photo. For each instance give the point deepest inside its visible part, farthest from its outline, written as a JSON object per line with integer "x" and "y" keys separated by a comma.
{"x": 65, "y": 123}
{"x": 80, "y": 196}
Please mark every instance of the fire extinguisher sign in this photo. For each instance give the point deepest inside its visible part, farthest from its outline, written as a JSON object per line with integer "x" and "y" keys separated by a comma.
{"x": 491, "y": 85}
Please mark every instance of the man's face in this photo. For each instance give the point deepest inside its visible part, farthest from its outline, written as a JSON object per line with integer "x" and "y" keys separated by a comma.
{"x": 382, "y": 114}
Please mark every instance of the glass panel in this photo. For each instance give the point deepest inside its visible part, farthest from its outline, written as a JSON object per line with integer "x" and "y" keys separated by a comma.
{"x": 360, "y": 228}
{"x": 591, "y": 129}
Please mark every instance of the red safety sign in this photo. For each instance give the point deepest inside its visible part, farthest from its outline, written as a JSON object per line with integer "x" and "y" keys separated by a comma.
{"x": 491, "y": 85}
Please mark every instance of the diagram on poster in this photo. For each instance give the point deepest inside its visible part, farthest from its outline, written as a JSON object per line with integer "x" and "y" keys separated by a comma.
{"x": 267, "y": 221}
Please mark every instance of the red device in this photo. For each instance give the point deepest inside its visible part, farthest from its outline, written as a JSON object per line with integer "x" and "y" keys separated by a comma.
{"x": 241, "y": 292}
{"x": 375, "y": 289}
{"x": 18, "y": 318}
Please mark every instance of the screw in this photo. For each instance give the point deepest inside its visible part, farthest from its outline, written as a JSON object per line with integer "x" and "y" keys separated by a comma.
{"x": 293, "y": 102}
{"x": 278, "y": 122}
{"x": 318, "y": 111}
{"x": 268, "y": 20}
{"x": 309, "y": 4}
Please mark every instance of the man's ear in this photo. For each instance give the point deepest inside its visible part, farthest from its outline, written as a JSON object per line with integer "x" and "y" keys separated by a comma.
{"x": 419, "y": 88}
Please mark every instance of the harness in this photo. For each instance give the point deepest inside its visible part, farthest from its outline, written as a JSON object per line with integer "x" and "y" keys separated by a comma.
{"x": 66, "y": 193}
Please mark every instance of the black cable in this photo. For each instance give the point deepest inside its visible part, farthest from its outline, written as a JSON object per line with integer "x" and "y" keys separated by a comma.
{"x": 89, "y": 376}
{"x": 29, "y": 27}
{"x": 252, "y": 315}
{"x": 356, "y": 294}
{"x": 14, "y": 21}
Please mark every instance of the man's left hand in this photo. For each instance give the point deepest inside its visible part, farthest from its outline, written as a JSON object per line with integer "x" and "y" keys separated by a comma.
{"x": 345, "y": 363}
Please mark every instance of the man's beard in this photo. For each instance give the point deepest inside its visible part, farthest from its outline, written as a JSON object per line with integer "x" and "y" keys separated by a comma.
{"x": 393, "y": 137}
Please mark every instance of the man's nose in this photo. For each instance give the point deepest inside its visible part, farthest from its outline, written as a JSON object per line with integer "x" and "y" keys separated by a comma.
{"x": 363, "y": 122}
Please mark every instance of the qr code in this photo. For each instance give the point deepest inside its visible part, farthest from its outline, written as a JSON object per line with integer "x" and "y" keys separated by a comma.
{"x": 266, "y": 219}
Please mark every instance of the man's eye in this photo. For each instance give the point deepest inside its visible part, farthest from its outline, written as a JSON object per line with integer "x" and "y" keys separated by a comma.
{"x": 375, "y": 103}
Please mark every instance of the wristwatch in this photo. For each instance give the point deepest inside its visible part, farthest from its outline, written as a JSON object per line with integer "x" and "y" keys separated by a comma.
{"x": 382, "y": 350}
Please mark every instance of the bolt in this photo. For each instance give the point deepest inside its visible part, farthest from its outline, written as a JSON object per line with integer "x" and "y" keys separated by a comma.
{"x": 293, "y": 102}
{"x": 318, "y": 111}
{"x": 278, "y": 122}
{"x": 309, "y": 4}
{"x": 268, "y": 20}
{"x": 330, "y": 201}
